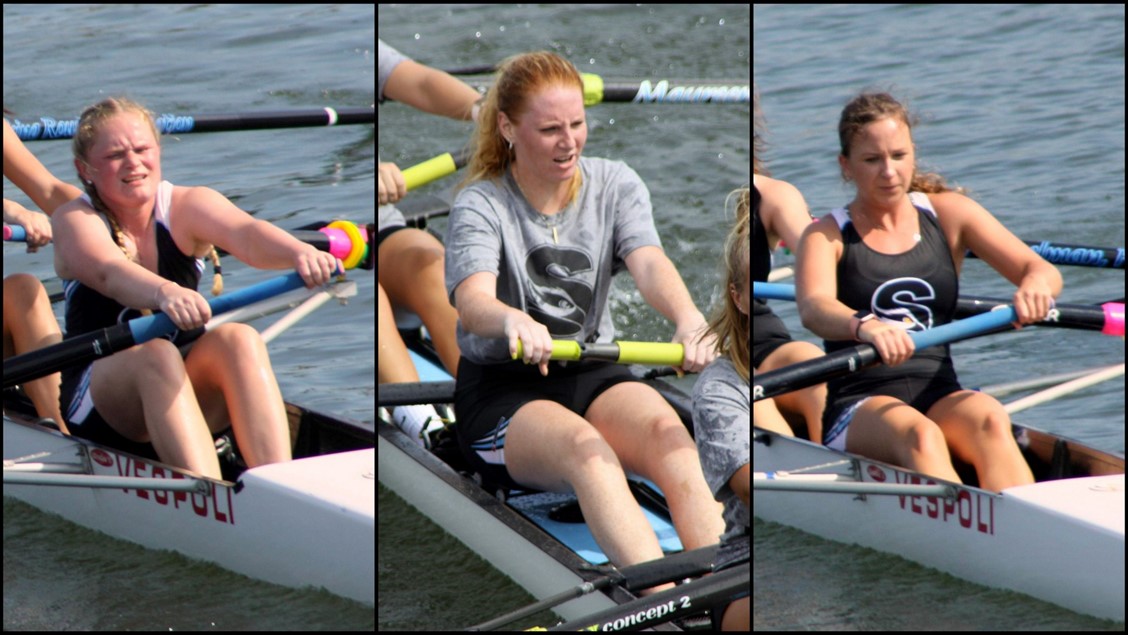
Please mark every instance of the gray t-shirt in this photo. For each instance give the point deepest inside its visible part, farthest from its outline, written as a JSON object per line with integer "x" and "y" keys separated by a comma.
{"x": 557, "y": 268}
{"x": 721, "y": 422}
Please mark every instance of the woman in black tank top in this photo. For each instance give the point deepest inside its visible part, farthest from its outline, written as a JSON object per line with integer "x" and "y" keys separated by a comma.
{"x": 133, "y": 243}
{"x": 888, "y": 263}
{"x": 779, "y": 211}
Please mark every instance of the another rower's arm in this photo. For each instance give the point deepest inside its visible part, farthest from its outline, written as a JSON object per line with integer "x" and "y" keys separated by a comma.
{"x": 784, "y": 212}
{"x": 431, "y": 90}
{"x": 27, "y": 173}
{"x": 741, "y": 483}
{"x": 816, "y": 284}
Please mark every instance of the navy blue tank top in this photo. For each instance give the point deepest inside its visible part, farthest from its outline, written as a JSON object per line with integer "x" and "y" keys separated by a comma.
{"x": 87, "y": 310}
{"x": 917, "y": 289}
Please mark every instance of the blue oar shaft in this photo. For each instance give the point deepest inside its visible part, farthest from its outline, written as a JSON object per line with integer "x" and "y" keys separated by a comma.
{"x": 1107, "y": 318}
{"x": 851, "y": 360}
{"x": 96, "y": 344}
{"x": 15, "y": 233}
{"x": 773, "y": 291}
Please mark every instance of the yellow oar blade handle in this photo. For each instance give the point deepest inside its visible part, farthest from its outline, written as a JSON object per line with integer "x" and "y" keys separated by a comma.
{"x": 562, "y": 351}
{"x": 593, "y": 89}
{"x": 429, "y": 170}
{"x": 651, "y": 353}
{"x": 648, "y": 353}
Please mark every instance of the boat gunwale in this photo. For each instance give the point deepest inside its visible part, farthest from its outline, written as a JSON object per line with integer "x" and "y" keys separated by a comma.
{"x": 476, "y": 495}
{"x": 17, "y": 411}
{"x": 1041, "y": 443}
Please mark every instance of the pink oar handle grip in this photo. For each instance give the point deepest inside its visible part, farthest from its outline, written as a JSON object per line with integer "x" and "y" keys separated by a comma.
{"x": 1114, "y": 318}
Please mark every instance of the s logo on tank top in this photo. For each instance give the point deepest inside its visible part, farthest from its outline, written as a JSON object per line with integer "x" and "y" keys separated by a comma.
{"x": 907, "y": 302}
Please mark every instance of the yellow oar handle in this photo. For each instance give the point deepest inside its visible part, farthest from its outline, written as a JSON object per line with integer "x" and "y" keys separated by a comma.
{"x": 648, "y": 353}
{"x": 593, "y": 89}
{"x": 429, "y": 170}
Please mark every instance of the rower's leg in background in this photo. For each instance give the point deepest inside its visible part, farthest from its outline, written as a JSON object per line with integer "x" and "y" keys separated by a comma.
{"x": 393, "y": 364}
{"x": 29, "y": 324}
{"x": 411, "y": 272}
{"x": 234, "y": 382}
{"x": 551, "y": 448}
{"x": 767, "y": 416}
{"x": 651, "y": 440}
{"x": 144, "y": 394}
{"x": 736, "y": 616}
{"x": 808, "y": 402}
{"x": 978, "y": 430}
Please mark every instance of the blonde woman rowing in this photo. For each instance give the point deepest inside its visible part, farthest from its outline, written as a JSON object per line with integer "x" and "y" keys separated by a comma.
{"x": 720, "y": 412}
{"x": 136, "y": 242}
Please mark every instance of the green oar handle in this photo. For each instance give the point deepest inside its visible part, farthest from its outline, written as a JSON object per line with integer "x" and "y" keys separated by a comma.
{"x": 647, "y": 353}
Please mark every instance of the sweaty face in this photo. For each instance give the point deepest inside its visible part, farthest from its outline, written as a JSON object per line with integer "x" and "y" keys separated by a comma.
{"x": 124, "y": 162}
{"x": 551, "y": 134}
{"x": 881, "y": 160}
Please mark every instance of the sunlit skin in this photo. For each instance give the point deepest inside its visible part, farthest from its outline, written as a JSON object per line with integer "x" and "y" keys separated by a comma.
{"x": 629, "y": 427}
{"x": 125, "y": 166}
{"x": 881, "y": 164}
{"x": 151, "y": 392}
{"x": 965, "y": 425}
{"x": 554, "y": 127}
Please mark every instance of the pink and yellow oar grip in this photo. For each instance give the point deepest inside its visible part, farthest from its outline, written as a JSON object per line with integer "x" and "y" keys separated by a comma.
{"x": 345, "y": 240}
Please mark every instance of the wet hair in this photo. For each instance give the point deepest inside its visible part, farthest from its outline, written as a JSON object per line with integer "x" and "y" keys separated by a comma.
{"x": 86, "y": 135}
{"x": 869, "y": 107}
{"x": 519, "y": 78}
{"x": 728, "y": 322}
{"x": 758, "y": 144}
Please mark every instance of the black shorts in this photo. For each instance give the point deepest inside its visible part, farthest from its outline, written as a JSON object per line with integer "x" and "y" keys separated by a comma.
{"x": 921, "y": 393}
{"x": 487, "y": 397}
{"x": 731, "y": 553}
{"x": 768, "y": 334}
{"x": 387, "y": 231}
{"x": 93, "y": 427}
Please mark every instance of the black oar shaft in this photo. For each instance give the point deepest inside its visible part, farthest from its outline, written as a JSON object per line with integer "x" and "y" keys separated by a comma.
{"x": 1071, "y": 316}
{"x": 668, "y": 605}
{"x": 391, "y": 395}
{"x": 639, "y": 576}
{"x": 174, "y": 124}
{"x": 73, "y": 351}
{"x": 48, "y": 128}
{"x": 90, "y": 346}
{"x": 815, "y": 371}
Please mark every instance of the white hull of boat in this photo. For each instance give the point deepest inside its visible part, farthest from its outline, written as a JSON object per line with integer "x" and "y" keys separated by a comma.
{"x": 1061, "y": 541}
{"x": 306, "y": 523}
